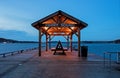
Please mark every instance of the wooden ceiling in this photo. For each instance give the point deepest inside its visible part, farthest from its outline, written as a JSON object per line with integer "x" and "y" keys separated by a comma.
{"x": 59, "y": 23}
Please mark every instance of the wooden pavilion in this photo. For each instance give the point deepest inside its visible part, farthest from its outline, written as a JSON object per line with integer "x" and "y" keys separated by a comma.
{"x": 59, "y": 24}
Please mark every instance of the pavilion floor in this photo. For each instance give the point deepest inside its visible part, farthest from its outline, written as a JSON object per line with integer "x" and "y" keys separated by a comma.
{"x": 30, "y": 65}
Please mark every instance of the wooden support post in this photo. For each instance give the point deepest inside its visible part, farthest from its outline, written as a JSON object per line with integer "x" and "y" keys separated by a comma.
{"x": 46, "y": 42}
{"x": 71, "y": 42}
{"x": 39, "y": 43}
{"x": 49, "y": 42}
{"x": 78, "y": 42}
{"x": 67, "y": 42}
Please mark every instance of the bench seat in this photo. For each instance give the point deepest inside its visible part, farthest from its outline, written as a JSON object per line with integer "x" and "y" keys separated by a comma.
{"x": 59, "y": 51}
{"x": 54, "y": 49}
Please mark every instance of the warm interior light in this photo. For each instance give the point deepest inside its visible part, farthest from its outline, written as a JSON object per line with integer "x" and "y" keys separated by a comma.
{"x": 67, "y": 33}
{"x": 45, "y": 28}
{"x": 72, "y": 27}
{"x": 50, "y": 33}
{"x": 59, "y": 28}
{"x": 59, "y": 15}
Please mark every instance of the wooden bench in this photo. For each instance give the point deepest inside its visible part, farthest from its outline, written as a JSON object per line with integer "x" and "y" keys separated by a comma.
{"x": 59, "y": 49}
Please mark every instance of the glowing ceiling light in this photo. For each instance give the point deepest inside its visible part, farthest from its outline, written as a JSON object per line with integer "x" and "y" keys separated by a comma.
{"x": 59, "y": 28}
{"x": 67, "y": 33}
{"x": 45, "y": 28}
{"x": 72, "y": 27}
{"x": 50, "y": 33}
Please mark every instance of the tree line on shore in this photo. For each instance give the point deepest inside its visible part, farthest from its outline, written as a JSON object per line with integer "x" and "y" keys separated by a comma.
{"x": 4, "y": 40}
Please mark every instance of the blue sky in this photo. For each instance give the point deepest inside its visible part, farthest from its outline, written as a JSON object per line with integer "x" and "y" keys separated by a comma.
{"x": 102, "y": 17}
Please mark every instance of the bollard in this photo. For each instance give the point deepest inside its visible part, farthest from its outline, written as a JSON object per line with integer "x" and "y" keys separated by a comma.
{"x": 4, "y": 55}
{"x": 11, "y": 53}
{"x": 22, "y": 51}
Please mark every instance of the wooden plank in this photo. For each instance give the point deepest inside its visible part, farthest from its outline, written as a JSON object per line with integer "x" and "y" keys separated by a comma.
{"x": 54, "y": 20}
{"x": 59, "y": 34}
{"x": 64, "y": 20}
{"x": 65, "y": 37}
{"x": 73, "y": 31}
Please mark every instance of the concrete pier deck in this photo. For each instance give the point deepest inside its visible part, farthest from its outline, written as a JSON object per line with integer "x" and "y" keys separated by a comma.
{"x": 29, "y": 65}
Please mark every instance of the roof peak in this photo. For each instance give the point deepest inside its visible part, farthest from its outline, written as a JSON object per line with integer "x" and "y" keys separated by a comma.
{"x": 60, "y": 12}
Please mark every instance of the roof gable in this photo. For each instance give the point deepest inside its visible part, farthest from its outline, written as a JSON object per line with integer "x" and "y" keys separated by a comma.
{"x": 59, "y": 23}
{"x": 70, "y": 18}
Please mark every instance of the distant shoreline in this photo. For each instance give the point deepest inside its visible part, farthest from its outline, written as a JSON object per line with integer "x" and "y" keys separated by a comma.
{"x": 84, "y": 42}
{"x": 3, "y": 40}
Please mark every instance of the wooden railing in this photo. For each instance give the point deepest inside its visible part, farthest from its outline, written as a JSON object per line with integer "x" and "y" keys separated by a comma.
{"x": 16, "y": 52}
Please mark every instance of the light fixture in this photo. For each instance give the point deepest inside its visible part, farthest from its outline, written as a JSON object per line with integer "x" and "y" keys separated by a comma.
{"x": 50, "y": 33}
{"x": 59, "y": 28}
{"x": 67, "y": 33}
{"x": 72, "y": 27}
{"x": 45, "y": 28}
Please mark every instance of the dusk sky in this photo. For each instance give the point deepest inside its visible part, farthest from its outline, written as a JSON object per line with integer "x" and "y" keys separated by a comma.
{"x": 102, "y": 17}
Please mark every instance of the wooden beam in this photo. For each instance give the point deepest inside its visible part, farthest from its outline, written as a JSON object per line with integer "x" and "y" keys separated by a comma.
{"x": 59, "y": 18}
{"x": 56, "y": 25}
{"x": 42, "y": 34}
{"x": 45, "y": 31}
{"x": 54, "y": 20}
{"x": 48, "y": 29}
{"x": 52, "y": 37}
{"x": 64, "y": 20}
{"x": 40, "y": 25}
{"x": 65, "y": 37}
{"x": 59, "y": 34}
{"x": 61, "y": 31}
{"x": 73, "y": 31}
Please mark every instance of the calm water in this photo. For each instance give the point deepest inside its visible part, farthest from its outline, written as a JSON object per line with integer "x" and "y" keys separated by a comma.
{"x": 9, "y": 47}
{"x": 97, "y": 49}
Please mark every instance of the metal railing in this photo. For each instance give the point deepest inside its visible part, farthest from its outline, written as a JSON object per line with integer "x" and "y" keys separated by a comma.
{"x": 109, "y": 60}
{"x": 16, "y": 52}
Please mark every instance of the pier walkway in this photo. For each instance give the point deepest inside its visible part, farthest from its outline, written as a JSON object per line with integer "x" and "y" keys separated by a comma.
{"x": 29, "y": 65}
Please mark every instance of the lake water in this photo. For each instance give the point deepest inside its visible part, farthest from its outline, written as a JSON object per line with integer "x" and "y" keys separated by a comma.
{"x": 9, "y": 47}
{"x": 97, "y": 49}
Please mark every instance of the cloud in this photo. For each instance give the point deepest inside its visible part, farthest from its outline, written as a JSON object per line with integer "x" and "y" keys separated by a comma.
{"x": 10, "y": 22}
{"x": 16, "y": 19}
{"x": 17, "y": 35}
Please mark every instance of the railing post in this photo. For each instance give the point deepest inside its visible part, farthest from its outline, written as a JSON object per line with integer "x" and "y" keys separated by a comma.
{"x": 3, "y": 55}
{"x": 22, "y": 51}
{"x": 104, "y": 59}
{"x": 11, "y": 53}
{"x": 110, "y": 60}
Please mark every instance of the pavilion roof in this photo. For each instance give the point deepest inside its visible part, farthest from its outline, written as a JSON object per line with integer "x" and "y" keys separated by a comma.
{"x": 59, "y": 23}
